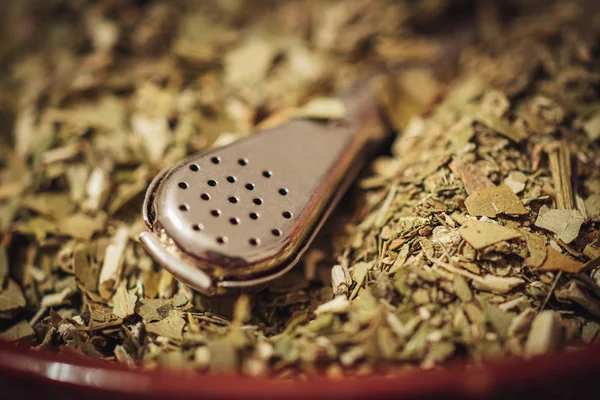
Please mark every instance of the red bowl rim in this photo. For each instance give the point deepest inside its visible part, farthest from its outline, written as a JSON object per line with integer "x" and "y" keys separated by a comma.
{"x": 67, "y": 372}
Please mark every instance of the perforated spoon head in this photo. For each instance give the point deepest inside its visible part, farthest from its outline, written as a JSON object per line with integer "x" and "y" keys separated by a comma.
{"x": 242, "y": 215}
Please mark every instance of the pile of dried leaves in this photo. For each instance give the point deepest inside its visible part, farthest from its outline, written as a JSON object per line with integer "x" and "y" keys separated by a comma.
{"x": 476, "y": 238}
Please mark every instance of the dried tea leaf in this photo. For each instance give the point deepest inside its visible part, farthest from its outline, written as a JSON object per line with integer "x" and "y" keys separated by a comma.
{"x": 590, "y": 332}
{"x": 154, "y": 309}
{"x": 536, "y": 245}
{"x": 247, "y": 64}
{"x": 473, "y": 178}
{"x": 126, "y": 193}
{"x": 497, "y": 284}
{"x": 592, "y": 127}
{"x": 482, "y": 234}
{"x": 124, "y": 301}
{"x": 493, "y": 201}
{"x": 81, "y": 226}
{"x": 438, "y": 352}
{"x": 340, "y": 280}
{"x": 171, "y": 327}
{"x": 19, "y": 331}
{"x": 113, "y": 259}
{"x": 559, "y": 262}
{"x": 462, "y": 289}
{"x": 153, "y": 134}
{"x": 11, "y": 297}
{"x": 223, "y": 356}
{"x": 339, "y": 305}
{"x": 400, "y": 260}
{"x": 499, "y": 125}
{"x": 592, "y": 205}
{"x": 96, "y": 187}
{"x": 49, "y": 204}
{"x": 39, "y": 227}
{"x": 242, "y": 310}
{"x": 322, "y": 108}
{"x": 516, "y": 181}
{"x": 383, "y": 213}
{"x": 564, "y": 223}
{"x": 56, "y": 299}
{"x": 87, "y": 273}
{"x": 359, "y": 271}
{"x": 77, "y": 160}
{"x": 521, "y": 323}
{"x": 123, "y": 357}
{"x": 545, "y": 334}
{"x": 495, "y": 103}
{"x": 499, "y": 319}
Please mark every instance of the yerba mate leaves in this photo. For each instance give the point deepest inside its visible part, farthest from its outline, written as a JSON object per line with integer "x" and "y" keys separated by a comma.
{"x": 476, "y": 236}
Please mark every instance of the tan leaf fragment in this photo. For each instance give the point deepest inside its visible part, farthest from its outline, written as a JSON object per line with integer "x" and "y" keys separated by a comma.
{"x": 514, "y": 133}
{"x": 489, "y": 283}
{"x": 55, "y": 299}
{"x": 592, "y": 205}
{"x": 545, "y": 334}
{"x": 473, "y": 178}
{"x": 516, "y": 181}
{"x": 497, "y": 284}
{"x": 536, "y": 244}
{"x": 340, "y": 280}
{"x": 249, "y": 63}
{"x": 493, "y": 201}
{"x": 564, "y": 223}
{"x": 110, "y": 273}
{"x": 322, "y": 108}
{"x": 124, "y": 301}
{"x": 559, "y": 262}
{"x": 153, "y": 133}
{"x": 12, "y": 297}
{"x": 482, "y": 234}
{"x": 338, "y": 305}
{"x": 18, "y": 331}
{"x": 170, "y": 327}
{"x": 87, "y": 273}
{"x": 592, "y": 127}
{"x": 81, "y": 226}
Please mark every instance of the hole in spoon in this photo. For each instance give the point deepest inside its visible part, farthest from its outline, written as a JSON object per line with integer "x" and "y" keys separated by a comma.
{"x": 287, "y": 214}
